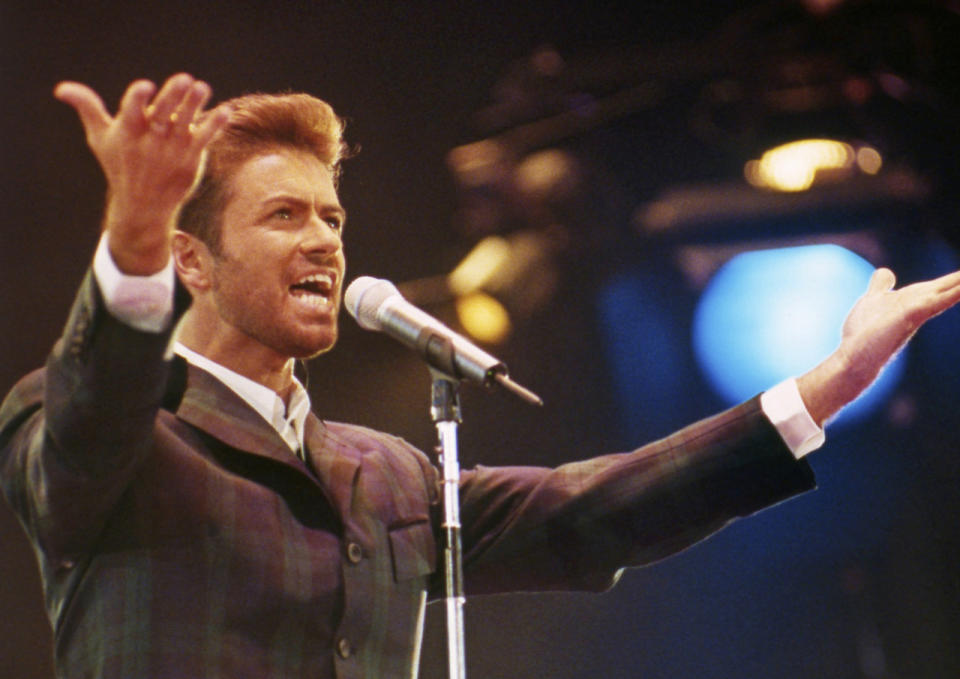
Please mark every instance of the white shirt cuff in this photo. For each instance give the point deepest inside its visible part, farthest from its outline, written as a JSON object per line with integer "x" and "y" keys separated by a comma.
{"x": 142, "y": 302}
{"x": 786, "y": 410}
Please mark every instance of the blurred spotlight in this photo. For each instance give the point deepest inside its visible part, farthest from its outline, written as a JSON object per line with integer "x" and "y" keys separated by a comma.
{"x": 869, "y": 160}
{"x": 549, "y": 176}
{"x": 480, "y": 163}
{"x": 483, "y": 317}
{"x": 800, "y": 164}
{"x": 480, "y": 266}
{"x": 772, "y": 314}
{"x": 502, "y": 276}
{"x": 518, "y": 269}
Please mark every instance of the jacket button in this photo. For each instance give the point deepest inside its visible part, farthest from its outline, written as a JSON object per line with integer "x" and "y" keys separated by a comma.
{"x": 354, "y": 552}
{"x": 343, "y": 648}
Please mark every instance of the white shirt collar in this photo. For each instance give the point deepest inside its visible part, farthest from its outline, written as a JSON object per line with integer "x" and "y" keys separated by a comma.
{"x": 289, "y": 423}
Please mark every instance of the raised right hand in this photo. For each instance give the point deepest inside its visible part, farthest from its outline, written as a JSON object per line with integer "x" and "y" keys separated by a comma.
{"x": 151, "y": 153}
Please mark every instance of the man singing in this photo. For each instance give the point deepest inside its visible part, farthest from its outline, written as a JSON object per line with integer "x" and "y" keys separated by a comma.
{"x": 194, "y": 519}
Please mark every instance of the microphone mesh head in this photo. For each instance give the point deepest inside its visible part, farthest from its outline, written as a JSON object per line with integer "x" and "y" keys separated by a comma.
{"x": 365, "y": 296}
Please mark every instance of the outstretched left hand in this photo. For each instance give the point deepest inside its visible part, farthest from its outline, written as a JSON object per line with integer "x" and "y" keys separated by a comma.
{"x": 881, "y": 322}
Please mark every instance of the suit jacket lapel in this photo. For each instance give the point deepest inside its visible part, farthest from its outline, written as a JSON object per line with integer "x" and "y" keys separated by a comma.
{"x": 337, "y": 465}
{"x": 211, "y": 406}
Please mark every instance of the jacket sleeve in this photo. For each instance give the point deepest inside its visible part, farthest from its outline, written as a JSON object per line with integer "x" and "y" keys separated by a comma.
{"x": 578, "y": 526}
{"x": 73, "y": 435}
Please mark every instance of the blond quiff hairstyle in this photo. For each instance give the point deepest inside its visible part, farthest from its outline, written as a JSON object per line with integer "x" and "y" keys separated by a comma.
{"x": 260, "y": 123}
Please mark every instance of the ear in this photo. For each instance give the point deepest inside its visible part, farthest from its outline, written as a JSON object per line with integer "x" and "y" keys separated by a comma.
{"x": 193, "y": 261}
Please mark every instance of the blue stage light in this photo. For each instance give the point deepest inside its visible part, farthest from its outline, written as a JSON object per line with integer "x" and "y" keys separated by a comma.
{"x": 771, "y": 314}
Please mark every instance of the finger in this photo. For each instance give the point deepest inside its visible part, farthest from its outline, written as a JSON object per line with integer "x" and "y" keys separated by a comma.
{"x": 134, "y": 101}
{"x": 168, "y": 100}
{"x": 882, "y": 280}
{"x": 87, "y": 103}
{"x": 192, "y": 105}
{"x": 948, "y": 291}
{"x": 949, "y": 282}
{"x": 933, "y": 297}
{"x": 210, "y": 123}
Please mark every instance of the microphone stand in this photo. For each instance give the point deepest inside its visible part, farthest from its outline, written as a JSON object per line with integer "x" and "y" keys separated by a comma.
{"x": 386, "y": 310}
{"x": 445, "y": 412}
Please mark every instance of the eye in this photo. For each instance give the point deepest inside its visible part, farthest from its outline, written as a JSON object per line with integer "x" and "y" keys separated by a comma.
{"x": 283, "y": 214}
{"x": 334, "y": 223}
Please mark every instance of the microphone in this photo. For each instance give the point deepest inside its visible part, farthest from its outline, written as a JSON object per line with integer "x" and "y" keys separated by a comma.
{"x": 376, "y": 304}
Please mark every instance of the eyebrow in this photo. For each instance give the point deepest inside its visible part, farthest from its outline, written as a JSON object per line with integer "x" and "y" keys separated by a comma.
{"x": 328, "y": 208}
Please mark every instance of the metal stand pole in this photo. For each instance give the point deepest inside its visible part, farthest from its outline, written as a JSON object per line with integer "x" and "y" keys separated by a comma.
{"x": 445, "y": 411}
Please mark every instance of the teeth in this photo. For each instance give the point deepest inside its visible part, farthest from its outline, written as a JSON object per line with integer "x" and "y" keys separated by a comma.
{"x": 323, "y": 280}
{"x": 311, "y": 299}
{"x": 314, "y": 290}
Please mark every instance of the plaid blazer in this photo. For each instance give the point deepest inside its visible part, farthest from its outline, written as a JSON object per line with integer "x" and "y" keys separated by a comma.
{"x": 178, "y": 536}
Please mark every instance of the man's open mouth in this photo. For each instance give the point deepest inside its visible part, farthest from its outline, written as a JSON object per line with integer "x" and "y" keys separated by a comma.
{"x": 315, "y": 289}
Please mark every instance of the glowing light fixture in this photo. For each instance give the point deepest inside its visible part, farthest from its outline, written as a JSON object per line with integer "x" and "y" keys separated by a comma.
{"x": 480, "y": 266}
{"x": 869, "y": 160}
{"x": 500, "y": 276}
{"x": 800, "y": 164}
{"x": 483, "y": 317}
{"x": 772, "y": 314}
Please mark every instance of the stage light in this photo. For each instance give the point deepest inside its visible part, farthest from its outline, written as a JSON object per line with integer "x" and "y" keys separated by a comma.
{"x": 481, "y": 265}
{"x": 483, "y": 317}
{"x": 771, "y": 314}
{"x": 798, "y": 165}
{"x": 503, "y": 276}
{"x": 869, "y": 160}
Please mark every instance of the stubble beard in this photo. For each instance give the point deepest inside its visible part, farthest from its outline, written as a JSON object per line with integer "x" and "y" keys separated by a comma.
{"x": 244, "y": 308}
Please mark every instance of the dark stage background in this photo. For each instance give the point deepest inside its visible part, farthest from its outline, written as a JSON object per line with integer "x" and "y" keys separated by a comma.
{"x": 859, "y": 579}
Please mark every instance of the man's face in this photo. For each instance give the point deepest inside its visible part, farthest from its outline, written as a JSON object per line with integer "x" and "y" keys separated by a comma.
{"x": 277, "y": 279}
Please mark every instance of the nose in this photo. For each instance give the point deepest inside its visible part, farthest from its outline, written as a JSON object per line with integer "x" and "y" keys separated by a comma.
{"x": 320, "y": 238}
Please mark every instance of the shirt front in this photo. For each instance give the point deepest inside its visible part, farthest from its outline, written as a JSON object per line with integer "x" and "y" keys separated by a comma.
{"x": 289, "y": 420}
